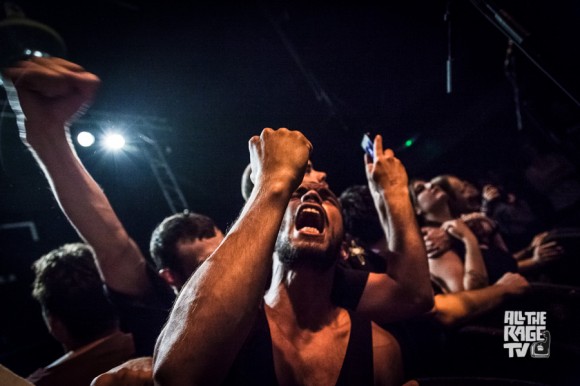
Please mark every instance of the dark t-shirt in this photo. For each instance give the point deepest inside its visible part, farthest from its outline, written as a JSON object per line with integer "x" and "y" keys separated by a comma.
{"x": 145, "y": 317}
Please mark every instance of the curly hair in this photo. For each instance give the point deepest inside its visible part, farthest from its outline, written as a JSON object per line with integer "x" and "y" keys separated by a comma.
{"x": 360, "y": 216}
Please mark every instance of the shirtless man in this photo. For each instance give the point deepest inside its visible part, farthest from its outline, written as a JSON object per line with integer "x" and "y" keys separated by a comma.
{"x": 223, "y": 330}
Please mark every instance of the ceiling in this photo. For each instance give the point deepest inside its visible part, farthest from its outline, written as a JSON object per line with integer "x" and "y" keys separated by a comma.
{"x": 204, "y": 78}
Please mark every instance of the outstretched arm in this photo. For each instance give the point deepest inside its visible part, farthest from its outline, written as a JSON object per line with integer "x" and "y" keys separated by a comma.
{"x": 405, "y": 290}
{"x": 216, "y": 308}
{"x": 538, "y": 254}
{"x": 46, "y": 95}
{"x": 452, "y": 310}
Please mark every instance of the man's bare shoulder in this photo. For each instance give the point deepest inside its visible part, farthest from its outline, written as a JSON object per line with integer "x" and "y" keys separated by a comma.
{"x": 383, "y": 338}
{"x": 387, "y": 357}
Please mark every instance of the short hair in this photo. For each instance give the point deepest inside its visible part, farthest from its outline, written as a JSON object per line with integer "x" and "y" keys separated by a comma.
{"x": 360, "y": 216}
{"x": 68, "y": 286}
{"x": 180, "y": 226}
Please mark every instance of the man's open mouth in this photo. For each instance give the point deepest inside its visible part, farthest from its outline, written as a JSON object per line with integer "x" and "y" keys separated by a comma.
{"x": 310, "y": 220}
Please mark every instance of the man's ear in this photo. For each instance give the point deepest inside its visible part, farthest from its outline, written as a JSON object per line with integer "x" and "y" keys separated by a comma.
{"x": 169, "y": 277}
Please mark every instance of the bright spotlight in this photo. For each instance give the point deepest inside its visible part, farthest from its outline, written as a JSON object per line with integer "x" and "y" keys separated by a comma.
{"x": 36, "y": 53}
{"x": 114, "y": 141}
{"x": 85, "y": 139}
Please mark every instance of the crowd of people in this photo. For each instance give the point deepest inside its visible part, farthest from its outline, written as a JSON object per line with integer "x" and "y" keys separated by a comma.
{"x": 373, "y": 286}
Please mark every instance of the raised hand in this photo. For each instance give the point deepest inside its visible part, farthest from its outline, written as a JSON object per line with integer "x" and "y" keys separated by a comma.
{"x": 279, "y": 158}
{"x": 436, "y": 241}
{"x": 48, "y": 93}
{"x": 490, "y": 193}
{"x": 135, "y": 372}
{"x": 547, "y": 252}
{"x": 458, "y": 229}
{"x": 386, "y": 172}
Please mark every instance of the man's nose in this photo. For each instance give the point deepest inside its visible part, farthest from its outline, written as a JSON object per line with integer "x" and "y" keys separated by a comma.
{"x": 311, "y": 196}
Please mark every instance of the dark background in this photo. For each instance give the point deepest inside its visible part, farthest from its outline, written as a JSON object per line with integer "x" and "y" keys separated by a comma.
{"x": 205, "y": 78}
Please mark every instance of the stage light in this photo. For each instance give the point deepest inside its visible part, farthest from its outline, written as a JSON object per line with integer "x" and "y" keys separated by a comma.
{"x": 114, "y": 141}
{"x": 85, "y": 139}
{"x": 409, "y": 142}
{"x": 35, "y": 53}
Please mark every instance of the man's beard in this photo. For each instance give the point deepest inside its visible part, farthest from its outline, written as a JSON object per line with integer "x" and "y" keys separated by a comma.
{"x": 293, "y": 257}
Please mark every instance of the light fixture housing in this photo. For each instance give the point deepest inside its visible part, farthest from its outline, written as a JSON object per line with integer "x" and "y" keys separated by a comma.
{"x": 21, "y": 37}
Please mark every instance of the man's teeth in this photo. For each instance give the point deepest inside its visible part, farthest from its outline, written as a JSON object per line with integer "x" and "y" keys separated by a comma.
{"x": 311, "y": 210}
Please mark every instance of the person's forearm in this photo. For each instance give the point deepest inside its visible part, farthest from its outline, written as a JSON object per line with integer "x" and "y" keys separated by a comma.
{"x": 215, "y": 309}
{"x": 408, "y": 267}
{"x": 475, "y": 273}
{"x": 523, "y": 253}
{"x": 88, "y": 210}
{"x": 458, "y": 308}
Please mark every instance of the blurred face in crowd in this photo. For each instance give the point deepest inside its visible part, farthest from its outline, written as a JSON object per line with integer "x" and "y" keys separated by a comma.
{"x": 467, "y": 196}
{"x": 191, "y": 253}
{"x": 427, "y": 196}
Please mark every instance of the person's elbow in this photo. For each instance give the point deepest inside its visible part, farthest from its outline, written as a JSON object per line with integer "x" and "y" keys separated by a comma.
{"x": 423, "y": 301}
{"x": 419, "y": 301}
{"x": 420, "y": 296}
{"x": 164, "y": 373}
{"x": 181, "y": 371}
{"x": 168, "y": 370}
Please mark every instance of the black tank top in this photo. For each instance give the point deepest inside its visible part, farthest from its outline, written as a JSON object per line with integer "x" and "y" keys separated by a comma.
{"x": 254, "y": 364}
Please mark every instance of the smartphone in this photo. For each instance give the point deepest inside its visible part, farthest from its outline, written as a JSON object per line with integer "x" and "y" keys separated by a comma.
{"x": 367, "y": 145}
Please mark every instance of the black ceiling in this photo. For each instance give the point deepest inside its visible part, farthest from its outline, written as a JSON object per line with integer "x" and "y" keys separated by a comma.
{"x": 214, "y": 75}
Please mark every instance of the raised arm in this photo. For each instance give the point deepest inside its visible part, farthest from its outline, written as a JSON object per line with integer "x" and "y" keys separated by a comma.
{"x": 405, "y": 290}
{"x": 216, "y": 308}
{"x": 46, "y": 94}
{"x": 474, "y": 271}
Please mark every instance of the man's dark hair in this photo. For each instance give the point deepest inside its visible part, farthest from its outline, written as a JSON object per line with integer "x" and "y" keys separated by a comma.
{"x": 68, "y": 286}
{"x": 360, "y": 217}
{"x": 180, "y": 226}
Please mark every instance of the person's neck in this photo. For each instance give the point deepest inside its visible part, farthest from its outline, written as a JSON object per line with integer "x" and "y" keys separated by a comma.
{"x": 439, "y": 215}
{"x": 75, "y": 349}
{"x": 76, "y": 345}
{"x": 301, "y": 296}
